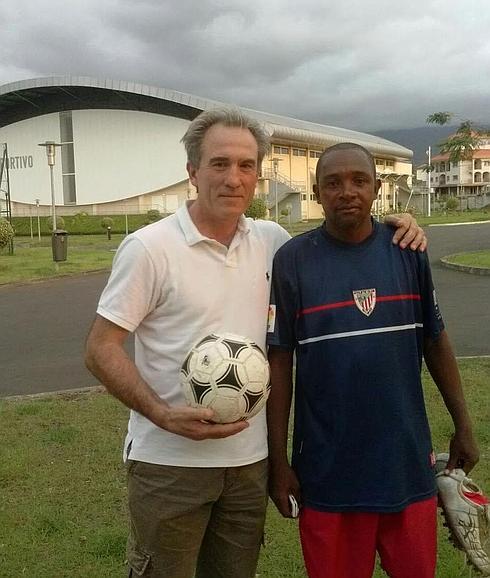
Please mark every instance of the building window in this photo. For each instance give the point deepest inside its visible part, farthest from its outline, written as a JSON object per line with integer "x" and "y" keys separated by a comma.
{"x": 69, "y": 190}
{"x": 390, "y": 164}
{"x": 299, "y": 152}
{"x": 304, "y": 197}
{"x": 315, "y": 154}
{"x": 67, "y": 158}
{"x": 380, "y": 163}
{"x": 455, "y": 177}
{"x": 281, "y": 150}
{"x": 312, "y": 197}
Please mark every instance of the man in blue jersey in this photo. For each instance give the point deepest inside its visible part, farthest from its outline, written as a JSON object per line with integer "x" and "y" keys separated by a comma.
{"x": 359, "y": 313}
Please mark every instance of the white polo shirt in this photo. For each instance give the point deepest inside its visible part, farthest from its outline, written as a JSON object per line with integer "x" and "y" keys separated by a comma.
{"x": 171, "y": 286}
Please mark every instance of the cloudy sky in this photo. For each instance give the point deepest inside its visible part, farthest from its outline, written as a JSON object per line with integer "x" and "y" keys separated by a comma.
{"x": 358, "y": 64}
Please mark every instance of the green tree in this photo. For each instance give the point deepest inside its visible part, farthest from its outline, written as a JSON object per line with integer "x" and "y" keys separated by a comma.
{"x": 6, "y": 233}
{"x": 60, "y": 223}
{"x": 107, "y": 222}
{"x": 452, "y": 204}
{"x": 257, "y": 209}
{"x": 460, "y": 145}
{"x": 153, "y": 215}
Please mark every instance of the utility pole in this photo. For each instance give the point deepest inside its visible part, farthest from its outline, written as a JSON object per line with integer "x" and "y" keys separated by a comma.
{"x": 429, "y": 173}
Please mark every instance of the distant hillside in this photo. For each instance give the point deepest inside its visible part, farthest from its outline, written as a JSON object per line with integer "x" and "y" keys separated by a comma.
{"x": 418, "y": 139}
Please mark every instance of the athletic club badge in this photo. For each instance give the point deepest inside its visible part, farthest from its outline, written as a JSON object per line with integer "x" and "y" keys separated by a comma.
{"x": 365, "y": 300}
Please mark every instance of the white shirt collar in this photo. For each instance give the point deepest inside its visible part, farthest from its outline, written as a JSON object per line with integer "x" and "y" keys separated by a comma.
{"x": 191, "y": 232}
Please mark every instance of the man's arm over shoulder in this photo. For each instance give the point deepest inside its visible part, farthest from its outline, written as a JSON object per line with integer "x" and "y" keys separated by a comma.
{"x": 408, "y": 233}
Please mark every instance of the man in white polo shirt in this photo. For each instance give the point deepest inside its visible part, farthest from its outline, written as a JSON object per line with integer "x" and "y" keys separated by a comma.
{"x": 197, "y": 490}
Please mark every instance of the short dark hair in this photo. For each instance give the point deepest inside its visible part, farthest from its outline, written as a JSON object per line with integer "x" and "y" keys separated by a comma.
{"x": 343, "y": 146}
{"x": 232, "y": 117}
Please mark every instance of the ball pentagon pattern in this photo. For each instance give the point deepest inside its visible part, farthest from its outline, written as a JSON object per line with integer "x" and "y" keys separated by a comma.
{"x": 227, "y": 373}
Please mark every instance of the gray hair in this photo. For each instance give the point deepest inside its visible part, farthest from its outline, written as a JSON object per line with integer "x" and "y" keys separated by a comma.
{"x": 232, "y": 117}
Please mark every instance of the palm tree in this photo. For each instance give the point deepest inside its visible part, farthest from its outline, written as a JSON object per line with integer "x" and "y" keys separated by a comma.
{"x": 463, "y": 142}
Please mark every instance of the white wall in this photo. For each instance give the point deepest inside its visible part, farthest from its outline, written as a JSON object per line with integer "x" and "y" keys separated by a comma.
{"x": 118, "y": 155}
{"x": 29, "y": 171}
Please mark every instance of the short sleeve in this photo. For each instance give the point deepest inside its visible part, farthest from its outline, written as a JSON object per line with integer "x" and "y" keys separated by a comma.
{"x": 281, "y": 330}
{"x": 433, "y": 322}
{"x": 132, "y": 290}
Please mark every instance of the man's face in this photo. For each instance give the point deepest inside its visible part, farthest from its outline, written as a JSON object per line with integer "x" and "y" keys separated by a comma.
{"x": 228, "y": 171}
{"x": 346, "y": 190}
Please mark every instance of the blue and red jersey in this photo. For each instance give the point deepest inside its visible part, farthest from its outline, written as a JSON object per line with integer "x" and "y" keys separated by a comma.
{"x": 356, "y": 317}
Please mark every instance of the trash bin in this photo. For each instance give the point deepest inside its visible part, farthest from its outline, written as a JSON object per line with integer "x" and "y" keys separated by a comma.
{"x": 59, "y": 243}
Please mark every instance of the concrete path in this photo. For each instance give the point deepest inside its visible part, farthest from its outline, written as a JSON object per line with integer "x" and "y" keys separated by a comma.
{"x": 43, "y": 325}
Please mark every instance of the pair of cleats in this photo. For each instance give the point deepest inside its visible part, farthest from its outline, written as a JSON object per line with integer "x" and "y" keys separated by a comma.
{"x": 467, "y": 513}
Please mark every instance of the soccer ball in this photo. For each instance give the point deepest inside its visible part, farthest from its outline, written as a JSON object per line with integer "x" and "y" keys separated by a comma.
{"x": 227, "y": 373}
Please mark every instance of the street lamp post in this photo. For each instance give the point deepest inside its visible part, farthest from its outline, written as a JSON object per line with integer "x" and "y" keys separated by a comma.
{"x": 51, "y": 153}
{"x": 275, "y": 164}
{"x": 38, "y": 221}
{"x": 58, "y": 255}
{"x": 429, "y": 171}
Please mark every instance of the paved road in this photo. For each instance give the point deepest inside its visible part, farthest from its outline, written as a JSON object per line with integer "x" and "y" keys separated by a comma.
{"x": 43, "y": 325}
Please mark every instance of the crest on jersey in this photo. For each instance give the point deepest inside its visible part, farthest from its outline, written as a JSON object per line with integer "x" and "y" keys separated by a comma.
{"x": 365, "y": 300}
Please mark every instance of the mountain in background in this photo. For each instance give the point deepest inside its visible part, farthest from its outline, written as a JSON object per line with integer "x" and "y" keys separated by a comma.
{"x": 418, "y": 139}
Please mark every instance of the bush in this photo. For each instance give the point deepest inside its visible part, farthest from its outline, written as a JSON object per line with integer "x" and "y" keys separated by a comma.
{"x": 60, "y": 223}
{"x": 153, "y": 215}
{"x": 257, "y": 209}
{"x": 452, "y": 203}
{"x": 6, "y": 232}
{"x": 107, "y": 222}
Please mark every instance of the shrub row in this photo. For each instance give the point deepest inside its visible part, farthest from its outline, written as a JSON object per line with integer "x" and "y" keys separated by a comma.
{"x": 83, "y": 224}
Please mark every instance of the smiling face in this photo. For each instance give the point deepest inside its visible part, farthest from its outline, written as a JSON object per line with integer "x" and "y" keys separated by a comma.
{"x": 227, "y": 173}
{"x": 346, "y": 189}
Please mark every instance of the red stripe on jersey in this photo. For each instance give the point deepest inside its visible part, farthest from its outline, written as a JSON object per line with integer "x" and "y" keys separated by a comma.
{"x": 316, "y": 308}
{"x": 406, "y": 297}
{"x": 323, "y": 307}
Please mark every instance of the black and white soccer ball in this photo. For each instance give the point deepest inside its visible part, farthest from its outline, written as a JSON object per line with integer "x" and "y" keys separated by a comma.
{"x": 227, "y": 373}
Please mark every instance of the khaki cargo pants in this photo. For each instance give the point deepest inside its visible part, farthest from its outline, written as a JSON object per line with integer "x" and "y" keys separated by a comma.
{"x": 202, "y": 522}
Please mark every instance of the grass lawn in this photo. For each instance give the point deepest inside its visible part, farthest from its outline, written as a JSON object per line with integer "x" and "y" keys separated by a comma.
{"x": 62, "y": 484}
{"x": 441, "y": 218}
{"x": 33, "y": 259}
{"x": 472, "y": 259}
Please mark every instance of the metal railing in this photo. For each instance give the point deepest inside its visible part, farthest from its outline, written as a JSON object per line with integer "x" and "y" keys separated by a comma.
{"x": 298, "y": 186}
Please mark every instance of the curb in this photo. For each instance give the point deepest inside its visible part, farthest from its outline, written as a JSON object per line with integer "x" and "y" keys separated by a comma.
{"x": 64, "y": 393}
{"x": 56, "y": 278}
{"x": 457, "y": 224}
{"x": 464, "y": 268}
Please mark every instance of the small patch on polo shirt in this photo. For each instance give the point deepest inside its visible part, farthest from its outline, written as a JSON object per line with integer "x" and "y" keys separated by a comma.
{"x": 271, "y": 319}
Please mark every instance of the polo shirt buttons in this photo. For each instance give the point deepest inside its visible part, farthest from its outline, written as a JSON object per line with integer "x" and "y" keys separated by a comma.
{"x": 231, "y": 261}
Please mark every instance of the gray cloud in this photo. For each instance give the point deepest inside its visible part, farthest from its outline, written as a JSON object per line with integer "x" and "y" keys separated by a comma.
{"x": 356, "y": 64}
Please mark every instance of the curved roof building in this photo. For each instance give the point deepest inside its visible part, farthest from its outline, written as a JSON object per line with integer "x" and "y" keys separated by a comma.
{"x": 122, "y": 152}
